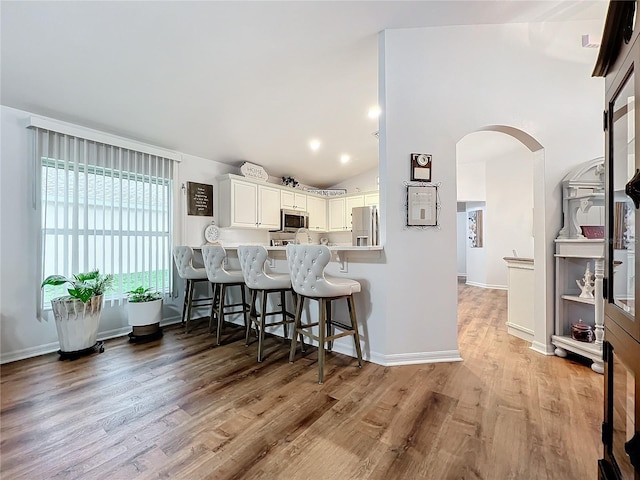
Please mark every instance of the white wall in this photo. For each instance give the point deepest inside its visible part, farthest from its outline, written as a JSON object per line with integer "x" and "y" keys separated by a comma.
{"x": 436, "y": 85}
{"x": 365, "y": 182}
{"x": 22, "y": 334}
{"x": 439, "y": 84}
{"x": 471, "y": 181}
{"x": 507, "y": 186}
{"x": 509, "y": 222}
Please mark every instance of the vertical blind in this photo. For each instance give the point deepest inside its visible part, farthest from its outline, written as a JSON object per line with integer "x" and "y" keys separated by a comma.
{"x": 103, "y": 207}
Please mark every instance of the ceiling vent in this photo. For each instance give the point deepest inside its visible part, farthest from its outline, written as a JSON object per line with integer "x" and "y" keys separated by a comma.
{"x": 589, "y": 41}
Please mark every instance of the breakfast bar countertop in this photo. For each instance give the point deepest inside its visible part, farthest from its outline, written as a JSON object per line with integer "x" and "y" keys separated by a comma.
{"x": 333, "y": 248}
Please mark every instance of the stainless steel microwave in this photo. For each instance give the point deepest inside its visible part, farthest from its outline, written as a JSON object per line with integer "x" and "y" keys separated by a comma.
{"x": 291, "y": 220}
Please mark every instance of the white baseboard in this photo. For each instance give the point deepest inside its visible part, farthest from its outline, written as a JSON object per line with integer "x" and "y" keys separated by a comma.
{"x": 400, "y": 358}
{"x": 542, "y": 348}
{"x": 55, "y": 346}
{"x": 519, "y": 331}
{"x": 420, "y": 357}
{"x": 345, "y": 349}
{"x": 485, "y": 285}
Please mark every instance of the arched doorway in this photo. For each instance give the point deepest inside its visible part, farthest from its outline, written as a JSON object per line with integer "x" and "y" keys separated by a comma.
{"x": 527, "y": 194}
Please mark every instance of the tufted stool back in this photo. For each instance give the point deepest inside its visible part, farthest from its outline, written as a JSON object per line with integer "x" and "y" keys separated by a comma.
{"x": 183, "y": 256}
{"x": 306, "y": 267}
{"x": 213, "y": 256}
{"x": 252, "y": 259}
{"x": 222, "y": 279}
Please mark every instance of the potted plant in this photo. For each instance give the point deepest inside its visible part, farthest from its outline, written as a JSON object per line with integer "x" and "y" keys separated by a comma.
{"x": 77, "y": 315}
{"x": 144, "y": 311}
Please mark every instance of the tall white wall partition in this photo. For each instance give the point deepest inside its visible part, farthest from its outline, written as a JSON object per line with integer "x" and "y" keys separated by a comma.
{"x": 438, "y": 85}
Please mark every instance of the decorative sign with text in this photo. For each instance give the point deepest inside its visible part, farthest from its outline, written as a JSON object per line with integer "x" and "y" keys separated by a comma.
{"x": 199, "y": 199}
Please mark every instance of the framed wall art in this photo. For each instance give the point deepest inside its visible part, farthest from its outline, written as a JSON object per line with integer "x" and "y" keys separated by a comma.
{"x": 422, "y": 206}
{"x": 199, "y": 199}
{"x": 475, "y": 229}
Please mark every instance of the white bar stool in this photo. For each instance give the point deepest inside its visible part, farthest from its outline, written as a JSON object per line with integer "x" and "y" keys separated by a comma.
{"x": 222, "y": 279}
{"x": 183, "y": 257}
{"x": 252, "y": 261}
{"x": 306, "y": 267}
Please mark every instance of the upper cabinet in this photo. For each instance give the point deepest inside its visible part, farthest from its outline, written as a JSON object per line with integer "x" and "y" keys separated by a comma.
{"x": 293, "y": 200}
{"x": 317, "y": 209}
{"x": 248, "y": 205}
{"x": 371, "y": 199}
{"x": 340, "y": 211}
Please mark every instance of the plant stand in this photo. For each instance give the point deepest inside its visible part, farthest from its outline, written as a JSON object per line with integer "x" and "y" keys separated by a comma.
{"x": 145, "y": 333}
{"x": 97, "y": 347}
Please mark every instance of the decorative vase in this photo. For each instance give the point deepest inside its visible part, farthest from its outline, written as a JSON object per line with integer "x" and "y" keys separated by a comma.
{"x": 144, "y": 318}
{"x": 77, "y": 322}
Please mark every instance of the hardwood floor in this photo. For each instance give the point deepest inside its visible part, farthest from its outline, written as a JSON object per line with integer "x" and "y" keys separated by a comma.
{"x": 182, "y": 408}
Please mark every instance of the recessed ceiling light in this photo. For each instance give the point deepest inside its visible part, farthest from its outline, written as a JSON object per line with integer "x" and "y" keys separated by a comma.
{"x": 374, "y": 112}
{"x": 314, "y": 145}
{"x": 345, "y": 158}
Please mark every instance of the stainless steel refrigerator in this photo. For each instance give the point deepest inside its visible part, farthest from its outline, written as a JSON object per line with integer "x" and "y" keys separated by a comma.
{"x": 364, "y": 226}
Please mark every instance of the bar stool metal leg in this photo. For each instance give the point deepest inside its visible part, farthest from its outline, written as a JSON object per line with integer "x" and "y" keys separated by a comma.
{"x": 330, "y": 329}
{"x": 354, "y": 324}
{"x": 252, "y": 316}
{"x": 187, "y": 284}
{"x": 322, "y": 326}
{"x": 189, "y": 304}
{"x": 214, "y": 312}
{"x": 261, "y": 323}
{"x": 285, "y": 325}
{"x": 223, "y": 292}
{"x": 297, "y": 328}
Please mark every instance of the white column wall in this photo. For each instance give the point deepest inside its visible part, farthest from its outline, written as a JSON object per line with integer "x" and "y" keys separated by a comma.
{"x": 439, "y": 84}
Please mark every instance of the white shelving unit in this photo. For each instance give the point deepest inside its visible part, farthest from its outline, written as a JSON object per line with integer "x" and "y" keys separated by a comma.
{"x": 583, "y": 205}
{"x": 572, "y": 256}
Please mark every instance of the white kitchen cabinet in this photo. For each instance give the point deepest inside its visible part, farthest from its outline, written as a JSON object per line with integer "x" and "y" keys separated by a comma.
{"x": 371, "y": 199}
{"x": 317, "y": 208}
{"x": 340, "y": 212}
{"x": 336, "y": 207}
{"x": 248, "y": 204}
{"x": 268, "y": 211}
{"x": 292, "y": 200}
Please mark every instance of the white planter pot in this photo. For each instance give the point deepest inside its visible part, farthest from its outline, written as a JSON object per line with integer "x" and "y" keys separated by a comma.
{"x": 77, "y": 322}
{"x": 144, "y": 313}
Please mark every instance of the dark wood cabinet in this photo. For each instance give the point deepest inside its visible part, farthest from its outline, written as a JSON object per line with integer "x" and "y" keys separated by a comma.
{"x": 618, "y": 60}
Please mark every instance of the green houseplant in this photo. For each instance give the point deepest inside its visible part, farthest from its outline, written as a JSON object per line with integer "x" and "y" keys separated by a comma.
{"x": 144, "y": 312}
{"x": 77, "y": 315}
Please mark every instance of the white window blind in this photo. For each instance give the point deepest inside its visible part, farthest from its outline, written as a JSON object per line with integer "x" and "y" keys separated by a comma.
{"x": 106, "y": 207}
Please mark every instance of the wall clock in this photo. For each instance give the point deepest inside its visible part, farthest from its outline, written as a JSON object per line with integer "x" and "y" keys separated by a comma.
{"x": 420, "y": 167}
{"x": 211, "y": 234}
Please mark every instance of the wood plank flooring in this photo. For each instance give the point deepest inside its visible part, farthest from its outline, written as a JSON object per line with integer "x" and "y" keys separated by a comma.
{"x": 181, "y": 408}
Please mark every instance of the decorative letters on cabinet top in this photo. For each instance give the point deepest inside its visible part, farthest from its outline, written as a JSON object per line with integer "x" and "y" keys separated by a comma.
{"x": 252, "y": 170}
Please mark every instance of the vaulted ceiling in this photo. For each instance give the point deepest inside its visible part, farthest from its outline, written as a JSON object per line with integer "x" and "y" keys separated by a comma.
{"x": 229, "y": 81}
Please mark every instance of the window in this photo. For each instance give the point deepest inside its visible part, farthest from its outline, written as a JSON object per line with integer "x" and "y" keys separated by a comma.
{"x": 104, "y": 207}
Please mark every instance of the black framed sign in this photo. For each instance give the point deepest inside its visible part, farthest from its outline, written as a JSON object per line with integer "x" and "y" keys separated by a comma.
{"x": 420, "y": 167}
{"x": 199, "y": 199}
